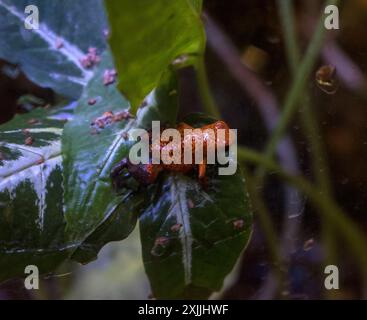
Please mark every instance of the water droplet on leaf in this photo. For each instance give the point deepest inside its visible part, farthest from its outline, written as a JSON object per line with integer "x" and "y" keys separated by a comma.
{"x": 326, "y": 79}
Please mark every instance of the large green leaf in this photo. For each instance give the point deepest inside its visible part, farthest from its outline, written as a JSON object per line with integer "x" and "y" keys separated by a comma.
{"x": 147, "y": 36}
{"x": 90, "y": 153}
{"x": 31, "y": 204}
{"x": 50, "y": 55}
{"x": 93, "y": 211}
{"x": 192, "y": 236}
{"x": 161, "y": 103}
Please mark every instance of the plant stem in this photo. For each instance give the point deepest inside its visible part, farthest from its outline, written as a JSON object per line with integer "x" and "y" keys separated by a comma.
{"x": 323, "y": 202}
{"x": 303, "y": 74}
{"x": 266, "y": 225}
{"x": 308, "y": 120}
{"x": 309, "y": 123}
{"x": 209, "y": 104}
{"x": 287, "y": 21}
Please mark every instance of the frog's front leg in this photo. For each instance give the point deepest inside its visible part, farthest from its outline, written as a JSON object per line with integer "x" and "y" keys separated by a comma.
{"x": 202, "y": 170}
{"x": 202, "y": 174}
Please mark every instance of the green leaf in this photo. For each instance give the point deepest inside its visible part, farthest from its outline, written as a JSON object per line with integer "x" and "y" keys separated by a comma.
{"x": 162, "y": 103}
{"x": 94, "y": 213}
{"x": 195, "y": 260}
{"x": 147, "y": 36}
{"x": 50, "y": 56}
{"x": 31, "y": 205}
{"x": 197, "y": 4}
{"x": 89, "y": 153}
{"x": 117, "y": 226}
{"x": 192, "y": 237}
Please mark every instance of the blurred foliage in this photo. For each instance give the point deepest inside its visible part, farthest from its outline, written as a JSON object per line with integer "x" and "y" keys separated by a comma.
{"x": 117, "y": 274}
